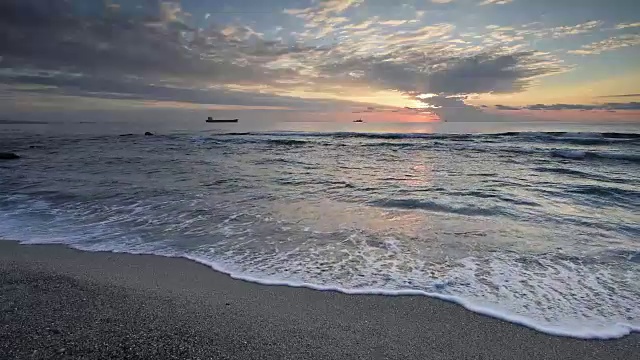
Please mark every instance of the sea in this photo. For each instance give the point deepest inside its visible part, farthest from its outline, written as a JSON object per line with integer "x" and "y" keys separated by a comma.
{"x": 533, "y": 223}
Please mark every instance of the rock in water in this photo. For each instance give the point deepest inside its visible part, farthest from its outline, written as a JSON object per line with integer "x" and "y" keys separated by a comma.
{"x": 8, "y": 156}
{"x": 148, "y": 133}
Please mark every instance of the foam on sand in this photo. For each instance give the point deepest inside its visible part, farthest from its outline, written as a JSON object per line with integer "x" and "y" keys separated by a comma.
{"x": 578, "y": 328}
{"x": 612, "y": 331}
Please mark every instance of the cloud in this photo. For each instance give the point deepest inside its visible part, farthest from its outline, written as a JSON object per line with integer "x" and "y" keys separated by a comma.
{"x": 323, "y": 18}
{"x": 501, "y": 34}
{"x": 156, "y": 45}
{"x": 481, "y": 73}
{"x": 240, "y": 32}
{"x": 47, "y": 36}
{"x": 396, "y": 22}
{"x": 495, "y": 2}
{"x": 583, "y": 28}
{"x": 441, "y": 1}
{"x": 150, "y": 55}
{"x": 423, "y": 33}
{"x": 490, "y": 73}
{"x": 323, "y": 11}
{"x": 606, "y": 106}
{"x": 324, "y": 8}
{"x": 627, "y": 25}
{"x": 454, "y": 108}
{"x": 621, "y": 95}
{"x": 154, "y": 53}
{"x": 135, "y": 90}
{"x": 610, "y": 44}
{"x": 504, "y": 107}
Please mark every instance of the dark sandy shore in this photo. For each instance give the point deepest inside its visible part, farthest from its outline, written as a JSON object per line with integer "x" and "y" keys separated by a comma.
{"x": 59, "y": 303}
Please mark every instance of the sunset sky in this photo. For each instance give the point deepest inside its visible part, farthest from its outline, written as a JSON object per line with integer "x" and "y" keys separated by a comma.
{"x": 411, "y": 60}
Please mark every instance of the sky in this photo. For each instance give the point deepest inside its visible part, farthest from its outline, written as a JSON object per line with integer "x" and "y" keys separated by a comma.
{"x": 336, "y": 60}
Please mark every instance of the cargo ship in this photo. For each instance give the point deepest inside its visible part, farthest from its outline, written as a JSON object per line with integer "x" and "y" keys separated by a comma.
{"x": 212, "y": 120}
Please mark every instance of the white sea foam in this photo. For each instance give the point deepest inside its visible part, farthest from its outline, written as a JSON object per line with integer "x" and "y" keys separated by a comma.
{"x": 570, "y": 154}
{"x": 575, "y": 329}
{"x": 556, "y": 297}
{"x": 582, "y": 154}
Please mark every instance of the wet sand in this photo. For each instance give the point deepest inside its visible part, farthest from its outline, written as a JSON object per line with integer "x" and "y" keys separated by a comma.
{"x": 61, "y": 303}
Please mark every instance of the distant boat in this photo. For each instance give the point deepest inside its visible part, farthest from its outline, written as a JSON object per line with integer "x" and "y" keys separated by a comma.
{"x": 358, "y": 121}
{"x": 212, "y": 120}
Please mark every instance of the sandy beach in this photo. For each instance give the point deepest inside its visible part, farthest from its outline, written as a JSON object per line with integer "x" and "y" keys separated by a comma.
{"x": 62, "y": 303}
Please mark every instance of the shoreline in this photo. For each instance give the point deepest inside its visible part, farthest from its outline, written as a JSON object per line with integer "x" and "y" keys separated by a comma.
{"x": 234, "y": 318}
{"x": 456, "y": 300}
{"x": 622, "y": 329}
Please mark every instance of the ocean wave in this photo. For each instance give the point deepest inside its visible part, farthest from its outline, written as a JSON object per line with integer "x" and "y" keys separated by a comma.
{"x": 338, "y": 134}
{"x": 604, "y": 191}
{"x": 389, "y": 144}
{"x": 564, "y": 171}
{"x": 22, "y": 122}
{"x": 626, "y": 254}
{"x": 585, "y": 141}
{"x": 617, "y": 135}
{"x": 574, "y": 138}
{"x": 349, "y": 134}
{"x": 412, "y": 204}
{"x": 443, "y": 218}
{"x": 570, "y": 154}
{"x": 281, "y": 161}
{"x": 287, "y": 142}
{"x": 587, "y": 155}
{"x": 566, "y": 134}
{"x": 544, "y": 151}
{"x": 491, "y": 195}
{"x": 581, "y": 174}
{"x": 405, "y": 139}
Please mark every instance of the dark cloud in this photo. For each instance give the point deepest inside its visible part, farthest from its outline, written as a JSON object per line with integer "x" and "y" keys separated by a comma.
{"x": 482, "y": 73}
{"x": 620, "y": 95}
{"x": 453, "y": 108}
{"x": 149, "y": 42}
{"x": 582, "y": 107}
{"x": 133, "y": 89}
{"x": 623, "y": 106}
{"x": 54, "y": 34}
{"x": 504, "y": 107}
{"x": 148, "y": 50}
{"x": 138, "y": 50}
{"x": 490, "y": 73}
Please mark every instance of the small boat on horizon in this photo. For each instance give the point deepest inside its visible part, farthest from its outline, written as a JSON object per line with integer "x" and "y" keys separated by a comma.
{"x": 212, "y": 120}
{"x": 358, "y": 121}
